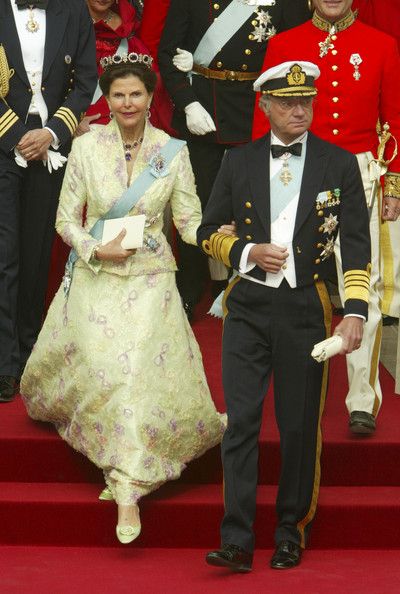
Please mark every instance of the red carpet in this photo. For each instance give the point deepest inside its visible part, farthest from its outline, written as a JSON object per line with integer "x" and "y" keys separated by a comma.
{"x": 48, "y": 501}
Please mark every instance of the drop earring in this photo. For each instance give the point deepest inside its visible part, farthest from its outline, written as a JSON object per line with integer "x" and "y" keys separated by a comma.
{"x": 148, "y": 112}
{"x": 310, "y": 5}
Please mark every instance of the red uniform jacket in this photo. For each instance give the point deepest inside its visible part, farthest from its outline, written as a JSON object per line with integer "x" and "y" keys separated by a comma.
{"x": 346, "y": 110}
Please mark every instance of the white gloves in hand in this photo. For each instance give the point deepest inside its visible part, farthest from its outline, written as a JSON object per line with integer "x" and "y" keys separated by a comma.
{"x": 327, "y": 348}
{"x": 198, "y": 120}
{"x": 19, "y": 159}
{"x": 183, "y": 60}
{"x": 53, "y": 162}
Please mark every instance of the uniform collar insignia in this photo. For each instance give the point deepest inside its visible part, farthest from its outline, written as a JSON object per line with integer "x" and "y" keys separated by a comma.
{"x": 341, "y": 25}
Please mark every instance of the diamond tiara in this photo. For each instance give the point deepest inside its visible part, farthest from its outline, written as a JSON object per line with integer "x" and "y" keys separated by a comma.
{"x": 133, "y": 58}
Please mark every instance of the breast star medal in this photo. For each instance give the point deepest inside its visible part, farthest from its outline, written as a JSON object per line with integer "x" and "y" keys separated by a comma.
{"x": 32, "y": 26}
{"x": 262, "y": 32}
{"x": 328, "y": 248}
{"x": 356, "y": 60}
{"x": 330, "y": 223}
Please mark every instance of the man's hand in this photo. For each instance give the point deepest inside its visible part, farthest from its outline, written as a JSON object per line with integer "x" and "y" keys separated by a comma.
{"x": 113, "y": 250}
{"x": 268, "y": 257}
{"x": 351, "y": 330}
{"x": 390, "y": 209}
{"x": 34, "y": 144}
{"x": 84, "y": 125}
{"x": 198, "y": 120}
{"x": 228, "y": 229}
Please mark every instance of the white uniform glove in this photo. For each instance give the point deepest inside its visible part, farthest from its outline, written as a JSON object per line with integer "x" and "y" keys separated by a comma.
{"x": 198, "y": 120}
{"x": 183, "y": 60}
{"x": 327, "y": 348}
{"x": 54, "y": 161}
{"x": 19, "y": 159}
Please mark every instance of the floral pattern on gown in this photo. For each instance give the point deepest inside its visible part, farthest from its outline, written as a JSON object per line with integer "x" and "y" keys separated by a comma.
{"x": 116, "y": 366}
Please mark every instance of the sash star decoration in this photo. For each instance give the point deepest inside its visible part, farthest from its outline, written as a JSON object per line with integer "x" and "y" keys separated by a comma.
{"x": 330, "y": 223}
{"x": 261, "y": 31}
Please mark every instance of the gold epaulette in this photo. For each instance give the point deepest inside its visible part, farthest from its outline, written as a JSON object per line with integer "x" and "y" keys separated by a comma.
{"x": 392, "y": 185}
{"x": 219, "y": 247}
{"x": 5, "y": 73}
{"x": 356, "y": 284}
{"x": 68, "y": 117}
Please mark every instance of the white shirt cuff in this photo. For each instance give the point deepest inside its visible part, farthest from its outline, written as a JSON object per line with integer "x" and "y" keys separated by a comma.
{"x": 56, "y": 143}
{"x": 245, "y": 266}
{"x": 355, "y": 316}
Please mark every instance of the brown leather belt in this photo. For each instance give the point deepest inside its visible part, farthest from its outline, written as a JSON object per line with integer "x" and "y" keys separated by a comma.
{"x": 224, "y": 74}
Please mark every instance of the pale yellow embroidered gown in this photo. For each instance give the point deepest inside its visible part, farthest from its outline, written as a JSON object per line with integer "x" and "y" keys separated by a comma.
{"x": 116, "y": 366}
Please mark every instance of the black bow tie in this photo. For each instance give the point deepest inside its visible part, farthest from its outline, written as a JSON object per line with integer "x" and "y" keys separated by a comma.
{"x": 278, "y": 150}
{"x": 33, "y": 3}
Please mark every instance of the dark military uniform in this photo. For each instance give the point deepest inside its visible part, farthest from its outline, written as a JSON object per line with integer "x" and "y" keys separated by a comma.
{"x": 229, "y": 101}
{"x": 273, "y": 329}
{"x": 28, "y": 197}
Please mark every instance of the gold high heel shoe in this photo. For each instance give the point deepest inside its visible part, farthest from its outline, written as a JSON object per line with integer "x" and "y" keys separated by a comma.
{"x": 128, "y": 533}
{"x": 106, "y": 495}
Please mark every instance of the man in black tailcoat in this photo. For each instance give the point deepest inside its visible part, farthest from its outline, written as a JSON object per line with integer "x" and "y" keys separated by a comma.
{"x": 50, "y": 61}
{"x": 289, "y": 193}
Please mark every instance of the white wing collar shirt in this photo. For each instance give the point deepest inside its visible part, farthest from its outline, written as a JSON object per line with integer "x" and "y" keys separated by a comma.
{"x": 284, "y": 199}
{"x": 32, "y": 48}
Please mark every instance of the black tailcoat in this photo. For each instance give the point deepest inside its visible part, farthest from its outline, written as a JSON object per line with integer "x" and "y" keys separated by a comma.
{"x": 29, "y": 196}
{"x": 241, "y": 193}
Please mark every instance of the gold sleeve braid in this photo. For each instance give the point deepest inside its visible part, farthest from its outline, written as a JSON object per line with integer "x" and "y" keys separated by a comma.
{"x": 5, "y": 73}
{"x": 356, "y": 284}
{"x": 219, "y": 247}
{"x": 392, "y": 185}
{"x": 68, "y": 117}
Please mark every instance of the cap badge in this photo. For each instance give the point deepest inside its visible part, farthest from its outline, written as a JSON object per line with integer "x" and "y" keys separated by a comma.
{"x": 296, "y": 76}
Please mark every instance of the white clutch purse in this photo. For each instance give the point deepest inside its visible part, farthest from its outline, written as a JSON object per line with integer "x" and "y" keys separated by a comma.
{"x": 134, "y": 226}
{"x": 327, "y": 348}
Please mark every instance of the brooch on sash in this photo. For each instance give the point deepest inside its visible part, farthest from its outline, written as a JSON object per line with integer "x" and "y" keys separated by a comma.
{"x": 158, "y": 166}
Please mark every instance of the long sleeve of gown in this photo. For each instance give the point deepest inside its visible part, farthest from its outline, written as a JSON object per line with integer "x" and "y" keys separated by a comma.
{"x": 185, "y": 204}
{"x": 73, "y": 198}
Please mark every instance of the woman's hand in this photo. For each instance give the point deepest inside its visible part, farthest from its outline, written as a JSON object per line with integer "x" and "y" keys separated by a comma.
{"x": 228, "y": 229}
{"x": 113, "y": 250}
{"x": 84, "y": 125}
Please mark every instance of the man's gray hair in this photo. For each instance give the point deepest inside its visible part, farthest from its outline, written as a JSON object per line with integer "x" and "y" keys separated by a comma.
{"x": 264, "y": 102}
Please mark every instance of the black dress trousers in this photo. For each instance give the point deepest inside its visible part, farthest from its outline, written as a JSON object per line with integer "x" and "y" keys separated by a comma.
{"x": 272, "y": 331}
{"x": 28, "y": 206}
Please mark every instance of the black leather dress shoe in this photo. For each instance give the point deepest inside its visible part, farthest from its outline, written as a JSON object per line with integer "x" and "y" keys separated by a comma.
{"x": 287, "y": 554}
{"x": 362, "y": 422}
{"x": 8, "y": 386}
{"x": 231, "y": 556}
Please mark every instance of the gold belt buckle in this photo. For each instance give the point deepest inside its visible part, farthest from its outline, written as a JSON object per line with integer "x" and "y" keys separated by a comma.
{"x": 231, "y": 75}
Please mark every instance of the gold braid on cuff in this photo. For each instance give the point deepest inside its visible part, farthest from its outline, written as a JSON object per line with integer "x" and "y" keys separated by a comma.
{"x": 392, "y": 185}
{"x": 219, "y": 246}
